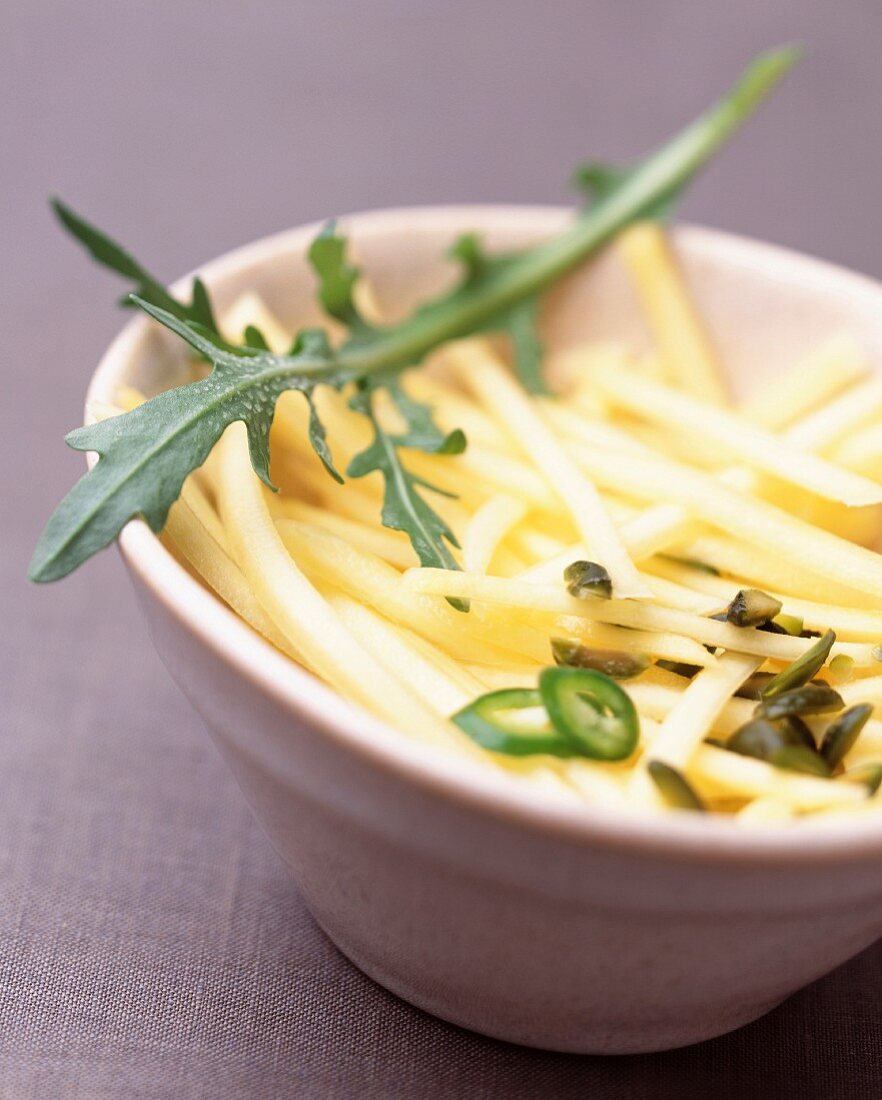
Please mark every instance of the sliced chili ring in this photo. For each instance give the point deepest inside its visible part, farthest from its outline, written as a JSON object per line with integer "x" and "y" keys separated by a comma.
{"x": 492, "y": 721}
{"x": 595, "y": 715}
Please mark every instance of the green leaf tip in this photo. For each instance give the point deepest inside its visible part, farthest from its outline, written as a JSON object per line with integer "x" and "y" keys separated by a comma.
{"x": 105, "y": 251}
{"x": 337, "y": 277}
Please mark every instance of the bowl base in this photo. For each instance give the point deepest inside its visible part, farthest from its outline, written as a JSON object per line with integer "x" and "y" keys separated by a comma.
{"x": 643, "y": 1040}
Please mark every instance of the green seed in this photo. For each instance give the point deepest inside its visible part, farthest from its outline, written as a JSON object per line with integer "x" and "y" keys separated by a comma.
{"x": 759, "y": 739}
{"x": 797, "y": 732}
{"x": 587, "y": 578}
{"x": 841, "y": 735}
{"x": 611, "y": 662}
{"x": 751, "y": 607}
{"x": 752, "y": 688}
{"x": 676, "y": 790}
{"x": 798, "y": 758}
{"x": 803, "y": 668}
{"x": 814, "y": 698}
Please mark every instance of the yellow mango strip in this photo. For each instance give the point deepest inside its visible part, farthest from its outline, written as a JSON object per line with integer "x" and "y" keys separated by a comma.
{"x": 478, "y": 369}
{"x": 750, "y": 563}
{"x": 669, "y": 309}
{"x": 392, "y": 546}
{"x": 367, "y": 578}
{"x": 394, "y": 648}
{"x": 514, "y": 593}
{"x": 722, "y": 772}
{"x": 211, "y": 561}
{"x": 765, "y": 808}
{"x": 299, "y": 611}
{"x": 763, "y": 525}
{"x": 758, "y": 448}
{"x": 657, "y": 700}
{"x": 862, "y": 451}
{"x": 830, "y": 424}
{"x": 487, "y": 528}
{"x": 849, "y": 622}
{"x": 669, "y": 593}
{"x": 597, "y": 635}
{"x": 810, "y": 382}
{"x": 692, "y": 717}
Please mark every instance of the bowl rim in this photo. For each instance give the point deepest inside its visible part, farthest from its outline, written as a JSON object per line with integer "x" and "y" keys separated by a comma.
{"x": 674, "y": 835}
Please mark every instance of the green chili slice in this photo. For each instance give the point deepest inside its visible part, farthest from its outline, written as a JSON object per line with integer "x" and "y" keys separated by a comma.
{"x": 611, "y": 662}
{"x": 814, "y": 698}
{"x": 506, "y": 721}
{"x": 591, "y": 711}
{"x": 841, "y": 734}
{"x": 803, "y": 668}
{"x": 587, "y": 578}
{"x": 675, "y": 788}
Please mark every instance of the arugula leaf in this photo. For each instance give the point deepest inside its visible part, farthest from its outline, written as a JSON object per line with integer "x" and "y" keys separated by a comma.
{"x": 146, "y": 454}
{"x": 149, "y": 289}
{"x": 518, "y": 322}
{"x": 404, "y": 509}
{"x": 337, "y": 278}
{"x": 422, "y": 432}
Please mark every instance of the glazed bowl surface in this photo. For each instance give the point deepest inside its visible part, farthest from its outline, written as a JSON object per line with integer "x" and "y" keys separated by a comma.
{"x": 563, "y": 927}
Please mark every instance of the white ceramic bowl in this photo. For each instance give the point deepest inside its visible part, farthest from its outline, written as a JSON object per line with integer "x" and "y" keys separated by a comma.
{"x": 555, "y": 926}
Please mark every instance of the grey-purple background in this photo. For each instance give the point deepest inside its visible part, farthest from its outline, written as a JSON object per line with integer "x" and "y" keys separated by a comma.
{"x": 150, "y": 942}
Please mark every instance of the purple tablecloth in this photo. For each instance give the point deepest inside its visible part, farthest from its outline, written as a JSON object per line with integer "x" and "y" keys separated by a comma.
{"x": 151, "y": 943}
